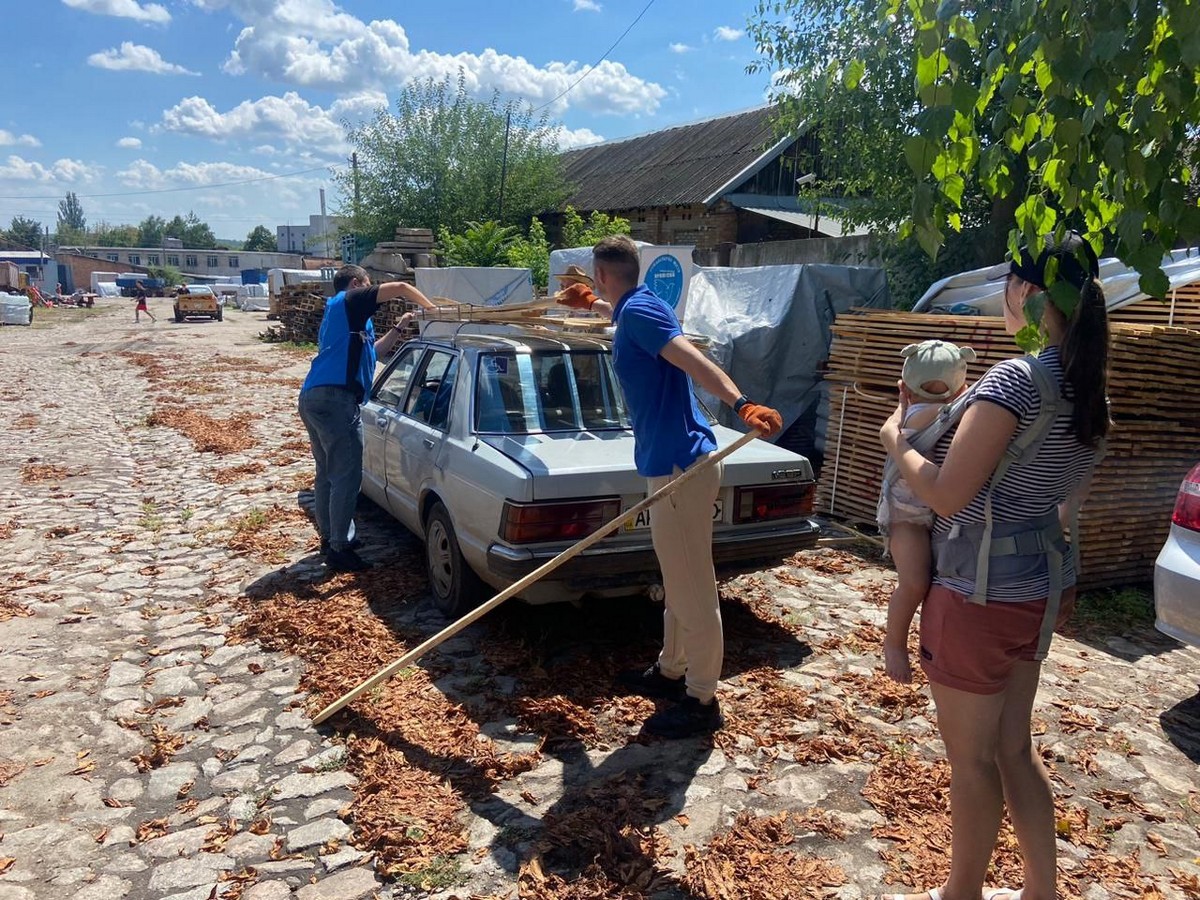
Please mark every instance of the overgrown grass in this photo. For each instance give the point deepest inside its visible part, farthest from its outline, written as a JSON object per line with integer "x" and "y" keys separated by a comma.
{"x": 1114, "y": 611}
{"x": 441, "y": 874}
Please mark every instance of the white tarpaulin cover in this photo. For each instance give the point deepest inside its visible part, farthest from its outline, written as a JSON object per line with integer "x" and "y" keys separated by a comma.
{"x": 15, "y": 310}
{"x": 578, "y": 256}
{"x": 981, "y": 292}
{"x": 481, "y": 286}
{"x": 107, "y": 289}
{"x": 770, "y": 331}
{"x": 253, "y": 298}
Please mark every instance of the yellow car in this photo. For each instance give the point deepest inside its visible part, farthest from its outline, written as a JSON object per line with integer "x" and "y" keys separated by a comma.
{"x": 198, "y": 300}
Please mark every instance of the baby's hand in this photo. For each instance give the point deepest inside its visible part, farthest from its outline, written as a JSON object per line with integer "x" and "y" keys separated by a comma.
{"x": 896, "y": 664}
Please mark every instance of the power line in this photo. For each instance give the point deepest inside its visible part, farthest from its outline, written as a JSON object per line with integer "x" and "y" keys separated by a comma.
{"x": 573, "y": 84}
{"x": 196, "y": 187}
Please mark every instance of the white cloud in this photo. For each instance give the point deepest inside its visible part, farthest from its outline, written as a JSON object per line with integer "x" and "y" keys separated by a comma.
{"x": 151, "y": 13}
{"x": 681, "y": 48}
{"x": 144, "y": 175}
{"x": 587, "y": 6}
{"x": 130, "y": 143}
{"x": 8, "y": 139}
{"x": 66, "y": 171}
{"x": 726, "y": 33}
{"x": 352, "y": 55}
{"x": 290, "y": 120}
{"x": 570, "y": 138}
{"x": 136, "y": 58}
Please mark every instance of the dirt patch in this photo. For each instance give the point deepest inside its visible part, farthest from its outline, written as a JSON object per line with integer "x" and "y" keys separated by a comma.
{"x": 230, "y": 474}
{"x": 208, "y": 435}
{"x": 34, "y": 472}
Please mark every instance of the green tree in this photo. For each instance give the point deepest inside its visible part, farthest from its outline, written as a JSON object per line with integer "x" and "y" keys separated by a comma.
{"x": 105, "y": 235}
{"x": 481, "y": 244}
{"x": 260, "y": 238}
{"x": 72, "y": 225}
{"x": 436, "y": 162}
{"x": 150, "y": 231}
{"x": 532, "y": 252}
{"x": 578, "y": 232}
{"x": 169, "y": 274}
{"x": 24, "y": 234}
{"x": 195, "y": 234}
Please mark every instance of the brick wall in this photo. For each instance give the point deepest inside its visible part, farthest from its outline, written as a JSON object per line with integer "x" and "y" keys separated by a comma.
{"x": 80, "y": 269}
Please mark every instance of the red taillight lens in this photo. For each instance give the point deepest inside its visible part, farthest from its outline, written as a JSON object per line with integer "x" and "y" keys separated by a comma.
{"x": 1187, "y": 504}
{"x": 572, "y": 520}
{"x": 765, "y": 502}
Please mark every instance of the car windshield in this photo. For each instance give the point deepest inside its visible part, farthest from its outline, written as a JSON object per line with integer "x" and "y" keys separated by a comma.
{"x": 519, "y": 393}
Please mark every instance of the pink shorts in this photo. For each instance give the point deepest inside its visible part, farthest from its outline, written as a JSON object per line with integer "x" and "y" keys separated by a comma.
{"x": 972, "y": 647}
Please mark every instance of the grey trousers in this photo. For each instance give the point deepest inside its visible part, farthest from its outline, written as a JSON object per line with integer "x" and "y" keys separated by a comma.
{"x": 332, "y": 416}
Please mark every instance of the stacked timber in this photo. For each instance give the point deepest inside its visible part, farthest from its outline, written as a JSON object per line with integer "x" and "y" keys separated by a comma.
{"x": 302, "y": 305}
{"x": 1155, "y": 378}
{"x": 1181, "y": 308}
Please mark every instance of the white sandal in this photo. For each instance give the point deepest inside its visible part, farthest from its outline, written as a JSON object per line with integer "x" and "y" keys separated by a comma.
{"x": 1001, "y": 892}
{"x": 934, "y": 894}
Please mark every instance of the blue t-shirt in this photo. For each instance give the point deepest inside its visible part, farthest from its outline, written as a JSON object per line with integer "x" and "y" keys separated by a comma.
{"x": 669, "y": 429}
{"x": 346, "y": 343}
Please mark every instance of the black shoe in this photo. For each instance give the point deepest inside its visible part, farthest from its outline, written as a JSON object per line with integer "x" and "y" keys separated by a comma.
{"x": 346, "y": 561}
{"x": 326, "y": 549}
{"x": 652, "y": 683}
{"x": 687, "y": 718}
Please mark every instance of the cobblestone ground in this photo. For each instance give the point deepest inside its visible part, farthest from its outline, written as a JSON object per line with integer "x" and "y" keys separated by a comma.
{"x": 148, "y": 751}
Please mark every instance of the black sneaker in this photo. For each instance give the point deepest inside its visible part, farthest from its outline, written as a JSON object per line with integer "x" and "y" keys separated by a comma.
{"x": 687, "y": 718}
{"x": 326, "y": 549}
{"x": 346, "y": 561}
{"x": 652, "y": 683}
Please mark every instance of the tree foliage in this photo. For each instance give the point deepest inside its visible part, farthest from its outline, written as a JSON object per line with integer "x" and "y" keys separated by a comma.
{"x": 436, "y": 162}
{"x": 260, "y": 239}
{"x": 1033, "y": 115}
{"x": 169, "y": 274}
{"x": 480, "y": 244}
{"x": 23, "y": 234}
{"x": 70, "y": 215}
{"x": 578, "y": 232}
{"x": 195, "y": 234}
{"x": 151, "y": 231}
{"x": 532, "y": 251}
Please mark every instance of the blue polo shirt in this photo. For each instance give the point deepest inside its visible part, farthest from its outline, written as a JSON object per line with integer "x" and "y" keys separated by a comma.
{"x": 669, "y": 429}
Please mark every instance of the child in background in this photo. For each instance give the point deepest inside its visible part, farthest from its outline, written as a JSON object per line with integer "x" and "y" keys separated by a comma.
{"x": 934, "y": 373}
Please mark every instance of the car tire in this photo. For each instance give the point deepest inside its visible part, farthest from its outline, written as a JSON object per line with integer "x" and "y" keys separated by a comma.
{"x": 220, "y": 314}
{"x": 455, "y": 587}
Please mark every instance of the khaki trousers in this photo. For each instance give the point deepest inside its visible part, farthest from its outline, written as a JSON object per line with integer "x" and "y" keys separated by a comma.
{"x": 681, "y": 527}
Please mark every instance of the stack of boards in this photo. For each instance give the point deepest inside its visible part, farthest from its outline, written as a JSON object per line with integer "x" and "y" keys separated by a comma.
{"x": 1155, "y": 379}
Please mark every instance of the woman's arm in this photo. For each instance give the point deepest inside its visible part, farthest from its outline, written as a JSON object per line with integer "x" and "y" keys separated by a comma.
{"x": 982, "y": 437}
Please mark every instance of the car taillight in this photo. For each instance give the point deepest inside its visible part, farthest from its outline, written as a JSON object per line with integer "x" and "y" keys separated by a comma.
{"x": 764, "y": 502}
{"x": 572, "y": 520}
{"x": 1187, "y": 504}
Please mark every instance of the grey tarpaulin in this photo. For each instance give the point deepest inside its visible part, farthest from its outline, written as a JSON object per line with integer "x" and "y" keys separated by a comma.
{"x": 769, "y": 327}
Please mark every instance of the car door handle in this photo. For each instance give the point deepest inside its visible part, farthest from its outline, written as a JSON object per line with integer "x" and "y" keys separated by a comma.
{"x": 381, "y": 422}
{"x": 428, "y": 443}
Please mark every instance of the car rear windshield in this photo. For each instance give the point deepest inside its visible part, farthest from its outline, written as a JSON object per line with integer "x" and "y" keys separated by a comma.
{"x": 519, "y": 393}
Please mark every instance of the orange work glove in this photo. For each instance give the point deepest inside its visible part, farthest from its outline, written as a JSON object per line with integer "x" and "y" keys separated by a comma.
{"x": 576, "y": 296}
{"x": 765, "y": 419}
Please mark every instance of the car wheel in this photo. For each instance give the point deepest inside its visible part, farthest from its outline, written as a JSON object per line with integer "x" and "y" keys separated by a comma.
{"x": 220, "y": 314}
{"x": 455, "y": 586}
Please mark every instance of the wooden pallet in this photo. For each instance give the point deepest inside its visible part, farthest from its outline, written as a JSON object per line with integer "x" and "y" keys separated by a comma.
{"x": 1154, "y": 380}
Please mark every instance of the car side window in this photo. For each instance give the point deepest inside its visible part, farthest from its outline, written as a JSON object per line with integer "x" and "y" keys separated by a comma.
{"x": 395, "y": 384}
{"x": 429, "y": 400}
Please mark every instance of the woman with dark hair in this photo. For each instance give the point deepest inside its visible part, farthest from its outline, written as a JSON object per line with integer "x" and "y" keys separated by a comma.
{"x": 1004, "y": 574}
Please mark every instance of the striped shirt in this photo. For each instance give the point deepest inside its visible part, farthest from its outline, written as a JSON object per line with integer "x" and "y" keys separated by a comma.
{"x": 1027, "y": 491}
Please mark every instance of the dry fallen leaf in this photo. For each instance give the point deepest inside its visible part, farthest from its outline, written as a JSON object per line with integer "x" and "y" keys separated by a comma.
{"x": 6, "y": 863}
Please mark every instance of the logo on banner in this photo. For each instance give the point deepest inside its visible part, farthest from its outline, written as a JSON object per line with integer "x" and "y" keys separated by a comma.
{"x": 664, "y": 276}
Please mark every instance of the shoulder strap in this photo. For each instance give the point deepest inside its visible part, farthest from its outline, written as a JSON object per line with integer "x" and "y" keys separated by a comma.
{"x": 926, "y": 439}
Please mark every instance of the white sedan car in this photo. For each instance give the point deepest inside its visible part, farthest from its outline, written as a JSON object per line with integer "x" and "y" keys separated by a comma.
{"x": 1177, "y": 570}
{"x": 502, "y": 449}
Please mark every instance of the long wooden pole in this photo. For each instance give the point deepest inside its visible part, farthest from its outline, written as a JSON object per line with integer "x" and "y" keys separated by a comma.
{"x": 536, "y": 575}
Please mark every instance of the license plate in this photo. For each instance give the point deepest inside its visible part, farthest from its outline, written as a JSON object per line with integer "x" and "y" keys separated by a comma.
{"x": 641, "y": 521}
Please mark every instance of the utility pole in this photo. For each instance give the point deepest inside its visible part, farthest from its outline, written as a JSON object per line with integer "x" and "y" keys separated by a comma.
{"x": 357, "y": 196}
{"x": 504, "y": 166}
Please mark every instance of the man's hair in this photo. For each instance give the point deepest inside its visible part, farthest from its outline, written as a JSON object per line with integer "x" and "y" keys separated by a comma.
{"x": 344, "y": 276}
{"x": 619, "y": 255}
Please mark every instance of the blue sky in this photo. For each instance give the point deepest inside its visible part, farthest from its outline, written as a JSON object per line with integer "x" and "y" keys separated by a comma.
{"x": 129, "y": 97}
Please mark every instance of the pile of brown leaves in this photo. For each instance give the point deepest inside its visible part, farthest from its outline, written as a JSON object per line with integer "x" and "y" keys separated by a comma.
{"x": 151, "y": 364}
{"x": 208, "y": 435}
{"x": 8, "y": 529}
{"x": 9, "y": 770}
{"x": 753, "y": 860}
{"x": 11, "y": 609}
{"x": 230, "y": 474}
{"x": 891, "y": 700}
{"x": 269, "y": 535}
{"x": 33, "y": 472}
{"x": 163, "y": 745}
{"x": 26, "y": 422}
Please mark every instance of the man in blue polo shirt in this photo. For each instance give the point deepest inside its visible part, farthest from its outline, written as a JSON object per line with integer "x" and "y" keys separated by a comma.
{"x": 655, "y": 364}
{"x": 336, "y": 386}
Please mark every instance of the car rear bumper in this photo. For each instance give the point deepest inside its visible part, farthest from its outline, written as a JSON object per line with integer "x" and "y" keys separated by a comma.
{"x": 1177, "y": 586}
{"x": 619, "y": 566}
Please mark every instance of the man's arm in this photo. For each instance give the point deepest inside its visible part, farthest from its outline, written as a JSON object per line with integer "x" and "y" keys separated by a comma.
{"x": 680, "y": 353}
{"x": 394, "y": 336}
{"x": 402, "y": 290}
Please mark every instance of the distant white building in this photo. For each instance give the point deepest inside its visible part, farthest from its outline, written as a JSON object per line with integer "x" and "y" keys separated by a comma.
{"x": 319, "y": 236}
{"x": 204, "y": 264}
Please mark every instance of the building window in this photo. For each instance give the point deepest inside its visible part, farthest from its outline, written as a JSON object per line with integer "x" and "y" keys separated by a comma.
{"x": 233, "y": 262}
{"x": 113, "y": 257}
{"x": 190, "y": 261}
{"x": 212, "y": 262}
{"x": 135, "y": 259}
{"x": 152, "y": 259}
{"x": 173, "y": 260}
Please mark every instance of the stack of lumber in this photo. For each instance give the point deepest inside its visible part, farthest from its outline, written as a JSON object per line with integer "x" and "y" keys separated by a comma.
{"x": 1155, "y": 378}
{"x": 1180, "y": 309}
{"x": 302, "y": 305}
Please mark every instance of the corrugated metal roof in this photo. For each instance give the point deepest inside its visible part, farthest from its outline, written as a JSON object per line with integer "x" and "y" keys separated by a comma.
{"x": 686, "y": 164}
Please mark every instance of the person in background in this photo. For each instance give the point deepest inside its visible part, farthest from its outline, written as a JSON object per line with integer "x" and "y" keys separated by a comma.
{"x": 655, "y": 364}
{"x": 337, "y": 384}
{"x": 139, "y": 294}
